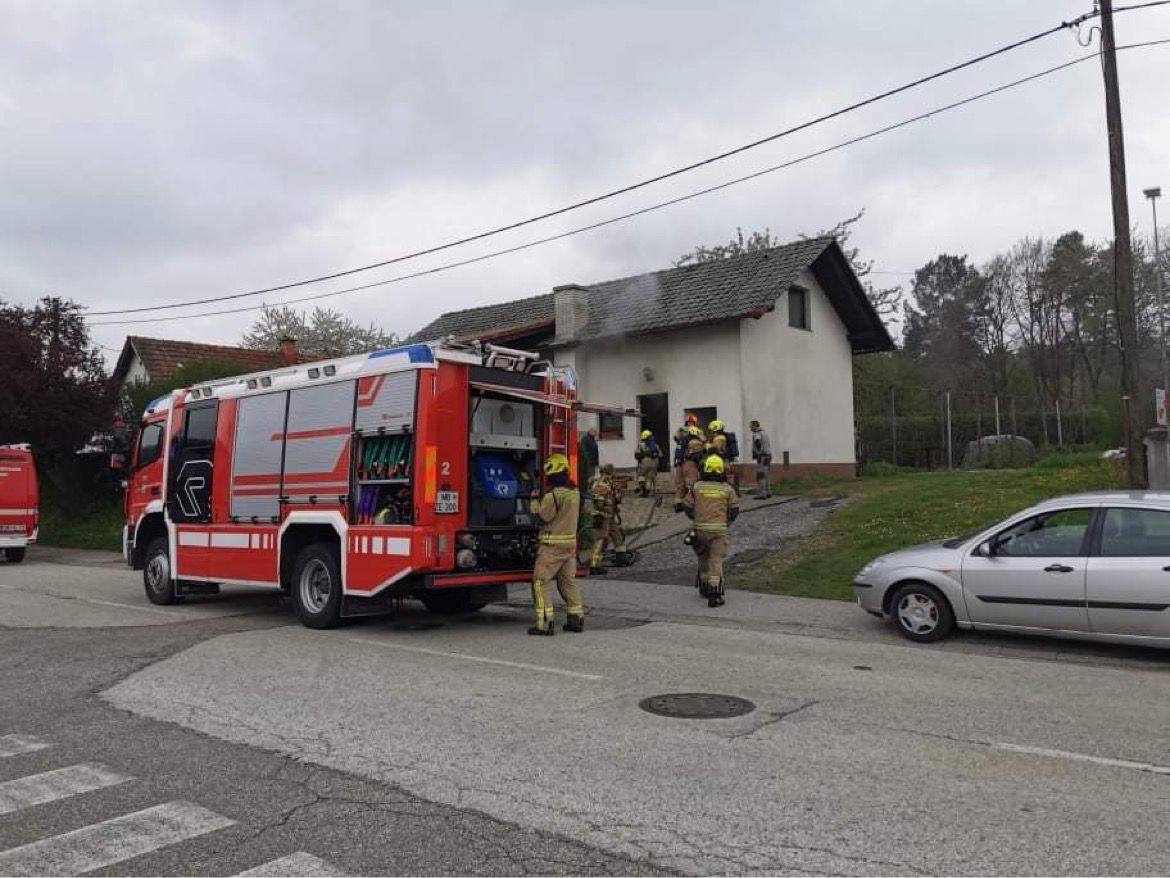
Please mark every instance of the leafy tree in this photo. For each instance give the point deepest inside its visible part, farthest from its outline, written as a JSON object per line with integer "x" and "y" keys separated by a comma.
{"x": 324, "y": 332}
{"x": 886, "y": 300}
{"x": 55, "y": 393}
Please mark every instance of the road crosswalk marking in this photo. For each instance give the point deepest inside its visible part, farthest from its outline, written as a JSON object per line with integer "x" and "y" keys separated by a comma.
{"x": 298, "y": 865}
{"x": 38, "y": 789}
{"x": 112, "y": 841}
{"x": 14, "y": 745}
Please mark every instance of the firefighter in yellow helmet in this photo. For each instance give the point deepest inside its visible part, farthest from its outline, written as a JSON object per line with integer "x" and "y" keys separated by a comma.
{"x": 607, "y": 522}
{"x": 689, "y": 471}
{"x": 647, "y": 457}
{"x": 713, "y": 504}
{"x": 558, "y": 510}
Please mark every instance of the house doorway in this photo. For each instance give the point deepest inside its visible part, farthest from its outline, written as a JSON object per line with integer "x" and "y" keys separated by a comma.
{"x": 655, "y": 409}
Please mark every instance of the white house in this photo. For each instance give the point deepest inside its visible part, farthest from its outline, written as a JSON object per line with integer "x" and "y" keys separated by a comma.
{"x": 766, "y": 336}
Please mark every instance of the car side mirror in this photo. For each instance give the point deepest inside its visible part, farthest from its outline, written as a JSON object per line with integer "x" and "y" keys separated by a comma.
{"x": 986, "y": 549}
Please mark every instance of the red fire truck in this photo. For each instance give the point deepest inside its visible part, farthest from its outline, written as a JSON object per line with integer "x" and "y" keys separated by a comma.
{"x": 19, "y": 503}
{"x": 353, "y": 482}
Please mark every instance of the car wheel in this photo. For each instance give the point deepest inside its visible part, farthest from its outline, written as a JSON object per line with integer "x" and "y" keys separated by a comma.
{"x": 156, "y": 573}
{"x": 14, "y": 556}
{"x": 922, "y": 613}
{"x": 316, "y": 586}
{"x": 448, "y": 603}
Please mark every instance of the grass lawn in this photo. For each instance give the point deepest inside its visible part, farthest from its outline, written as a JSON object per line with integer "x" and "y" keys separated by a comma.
{"x": 99, "y": 527}
{"x": 905, "y": 509}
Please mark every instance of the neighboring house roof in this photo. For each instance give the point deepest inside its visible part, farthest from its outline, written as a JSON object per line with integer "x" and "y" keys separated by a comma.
{"x": 162, "y": 357}
{"x": 692, "y": 295}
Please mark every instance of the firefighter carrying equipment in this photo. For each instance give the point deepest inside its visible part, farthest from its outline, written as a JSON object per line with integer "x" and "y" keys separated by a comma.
{"x": 647, "y": 456}
{"x": 688, "y": 472}
{"x": 607, "y": 522}
{"x": 556, "y": 558}
{"x": 713, "y": 504}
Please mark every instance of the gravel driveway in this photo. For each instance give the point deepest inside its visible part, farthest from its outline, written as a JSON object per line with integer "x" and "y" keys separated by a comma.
{"x": 754, "y": 535}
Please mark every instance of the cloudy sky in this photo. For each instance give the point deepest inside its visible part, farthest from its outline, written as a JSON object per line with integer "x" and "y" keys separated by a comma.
{"x": 157, "y": 152}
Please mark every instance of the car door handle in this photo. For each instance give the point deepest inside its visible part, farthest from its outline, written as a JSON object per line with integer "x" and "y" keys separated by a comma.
{"x": 1057, "y": 568}
{"x": 1167, "y": 568}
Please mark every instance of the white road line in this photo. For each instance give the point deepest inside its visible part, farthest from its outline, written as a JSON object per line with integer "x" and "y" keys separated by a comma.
{"x": 14, "y": 745}
{"x": 94, "y": 601}
{"x": 131, "y": 607}
{"x": 298, "y": 865}
{"x": 112, "y": 841}
{"x": 62, "y": 783}
{"x": 1082, "y": 757}
{"x": 475, "y": 658}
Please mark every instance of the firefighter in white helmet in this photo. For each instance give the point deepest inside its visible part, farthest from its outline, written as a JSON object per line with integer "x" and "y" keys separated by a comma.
{"x": 558, "y": 510}
{"x": 713, "y": 504}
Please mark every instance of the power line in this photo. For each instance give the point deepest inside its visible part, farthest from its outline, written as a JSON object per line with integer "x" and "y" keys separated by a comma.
{"x": 1064, "y": 25}
{"x": 655, "y": 207}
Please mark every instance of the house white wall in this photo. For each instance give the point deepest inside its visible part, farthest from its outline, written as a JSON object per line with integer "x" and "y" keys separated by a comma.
{"x": 696, "y": 367}
{"x": 135, "y": 372}
{"x": 798, "y": 383}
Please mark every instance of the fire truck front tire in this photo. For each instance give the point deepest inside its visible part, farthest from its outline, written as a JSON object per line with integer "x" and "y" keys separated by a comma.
{"x": 316, "y": 586}
{"x": 156, "y": 573}
{"x": 14, "y": 556}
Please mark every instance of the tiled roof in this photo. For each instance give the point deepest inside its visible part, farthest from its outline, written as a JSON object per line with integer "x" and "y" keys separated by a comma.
{"x": 520, "y": 315}
{"x": 162, "y": 357}
{"x": 692, "y": 295}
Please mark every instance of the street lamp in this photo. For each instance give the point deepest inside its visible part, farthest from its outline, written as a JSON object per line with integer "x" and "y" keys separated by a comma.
{"x": 1154, "y": 193}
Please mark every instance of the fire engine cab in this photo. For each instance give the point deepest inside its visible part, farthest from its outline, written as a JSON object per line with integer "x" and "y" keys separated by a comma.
{"x": 353, "y": 482}
{"x": 19, "y": 504}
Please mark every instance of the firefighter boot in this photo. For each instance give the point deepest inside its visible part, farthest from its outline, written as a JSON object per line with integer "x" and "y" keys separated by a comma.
{"x": 715, "y": 594}
{"x": 574, "y": 623}
{"x": 623, "y": 558}
{"x": 543, "y": 632}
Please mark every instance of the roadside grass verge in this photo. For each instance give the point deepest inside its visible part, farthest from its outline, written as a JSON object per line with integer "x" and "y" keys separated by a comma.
{"x": 98, "y": 526}
{"x": 890, "y": 512}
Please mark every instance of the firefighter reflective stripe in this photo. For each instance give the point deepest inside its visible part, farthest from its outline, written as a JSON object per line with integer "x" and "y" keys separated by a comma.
{"x": 558, "y": 539}
{"x": 710, "y": 527}
{"x": 431, "y": 474}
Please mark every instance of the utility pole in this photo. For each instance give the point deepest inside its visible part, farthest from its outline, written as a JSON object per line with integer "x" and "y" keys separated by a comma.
{"x": 1122, "y": 253}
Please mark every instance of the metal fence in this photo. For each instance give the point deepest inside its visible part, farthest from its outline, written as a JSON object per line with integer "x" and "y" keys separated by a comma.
{"x": 942, "y": 430}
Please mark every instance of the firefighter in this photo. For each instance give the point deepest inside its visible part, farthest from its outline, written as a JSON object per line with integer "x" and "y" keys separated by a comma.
{"x": 723, "y": 444}
{"x": 689, "y": 471}
{"x": 713, "y": 505}
{"x": 558, "y": 511}
{"x": 607, "y": 522}
{"x": 647, "y": 457}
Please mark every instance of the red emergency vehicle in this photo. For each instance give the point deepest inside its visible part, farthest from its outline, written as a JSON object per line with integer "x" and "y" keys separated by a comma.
{"x": 352, "y": 482}
{"x": 19, "y": 501}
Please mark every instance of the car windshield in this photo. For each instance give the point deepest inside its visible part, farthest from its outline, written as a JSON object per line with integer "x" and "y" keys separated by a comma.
{"x": 955, "y": 542}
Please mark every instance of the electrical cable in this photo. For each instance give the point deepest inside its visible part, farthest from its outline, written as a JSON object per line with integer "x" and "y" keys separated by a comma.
{"x": 655, "y": 207}
{"x": 1064, "y": 25}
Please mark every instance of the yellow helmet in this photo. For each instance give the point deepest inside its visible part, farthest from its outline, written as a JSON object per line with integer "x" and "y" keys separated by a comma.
{"x": 556, "y": 463}
{"x": 694, "y": 431}
{"x": 646, "y": 434}
{"x": 715, "y": 426}
{"x": 713, "y": 464}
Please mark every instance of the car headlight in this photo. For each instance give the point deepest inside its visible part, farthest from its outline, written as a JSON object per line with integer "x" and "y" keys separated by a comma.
{"x": 871, "y": 566}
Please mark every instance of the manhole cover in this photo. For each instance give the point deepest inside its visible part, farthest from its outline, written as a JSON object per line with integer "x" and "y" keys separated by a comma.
{"x": 696, "y": 705}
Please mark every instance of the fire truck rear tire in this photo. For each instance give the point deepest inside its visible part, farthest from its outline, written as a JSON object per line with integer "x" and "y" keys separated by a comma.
{"x": 156, "y": 573}
{"x": 316, "y": 586}
{"x": 14, "y": 556}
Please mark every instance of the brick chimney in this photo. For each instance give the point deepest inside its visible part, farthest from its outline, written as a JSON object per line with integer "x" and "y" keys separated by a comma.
{"x": 572, "y": 311}
{"x": 289, "y": 352}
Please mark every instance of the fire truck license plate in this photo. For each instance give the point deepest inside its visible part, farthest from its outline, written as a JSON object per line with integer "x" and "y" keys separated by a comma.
{"x": 447, "y": 503}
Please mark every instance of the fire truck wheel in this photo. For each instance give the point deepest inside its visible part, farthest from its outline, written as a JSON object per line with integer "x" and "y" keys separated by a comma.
{"x": 448, "y": 603}
{"x": 14, "y": 556}
{"x": 156, "y": 573}
{"x": 316, "y": 586}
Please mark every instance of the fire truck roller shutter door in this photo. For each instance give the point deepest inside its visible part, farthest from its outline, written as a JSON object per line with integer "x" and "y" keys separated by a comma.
{"x": 317, "y": 442}
{"x": 387, "y": 401}
{"x": 256, "y": 457}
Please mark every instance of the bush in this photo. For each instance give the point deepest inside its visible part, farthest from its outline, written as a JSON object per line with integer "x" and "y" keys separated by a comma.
{"x": 880, "y": 470}
{"x": 1071, "y": 460}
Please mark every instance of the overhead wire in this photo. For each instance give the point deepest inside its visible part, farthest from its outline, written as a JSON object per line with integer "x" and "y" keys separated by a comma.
{"x": 1064, "y": 25}
{"x": 645, "y": 210}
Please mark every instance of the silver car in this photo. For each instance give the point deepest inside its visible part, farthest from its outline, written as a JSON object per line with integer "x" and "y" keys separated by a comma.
{"x": 1090, "y": 566}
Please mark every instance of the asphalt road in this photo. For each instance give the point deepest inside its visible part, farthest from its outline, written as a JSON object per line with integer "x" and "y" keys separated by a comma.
{"x": 427, "y": 746}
